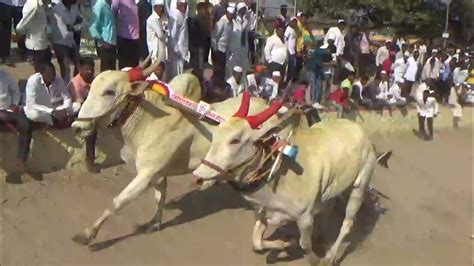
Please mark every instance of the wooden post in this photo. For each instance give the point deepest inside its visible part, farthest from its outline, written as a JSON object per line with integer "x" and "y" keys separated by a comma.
{"x": 446, "y": 25}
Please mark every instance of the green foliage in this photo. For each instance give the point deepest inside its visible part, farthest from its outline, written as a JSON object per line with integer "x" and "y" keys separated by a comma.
{"x": 413, "y": 16}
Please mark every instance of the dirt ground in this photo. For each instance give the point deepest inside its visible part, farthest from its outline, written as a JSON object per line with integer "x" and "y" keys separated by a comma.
{"x": 428, "y": 219}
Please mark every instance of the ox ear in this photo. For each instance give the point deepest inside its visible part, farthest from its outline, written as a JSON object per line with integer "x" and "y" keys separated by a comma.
{"x": 138, "y": 88}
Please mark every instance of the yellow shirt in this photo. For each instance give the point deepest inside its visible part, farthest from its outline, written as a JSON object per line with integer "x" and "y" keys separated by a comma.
{"x": 299, "y": 37}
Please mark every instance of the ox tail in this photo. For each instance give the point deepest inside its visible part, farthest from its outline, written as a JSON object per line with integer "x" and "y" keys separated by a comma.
{"x": 382, "y": 158}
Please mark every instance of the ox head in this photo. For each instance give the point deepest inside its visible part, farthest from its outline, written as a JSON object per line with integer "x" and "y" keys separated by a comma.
{"x": 108, "y": 92}
{"x": 233, "y": 144}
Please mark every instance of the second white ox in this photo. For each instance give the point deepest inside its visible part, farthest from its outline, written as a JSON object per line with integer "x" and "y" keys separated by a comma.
{"x": 335, "y": 157}
{"x": 159, "y": 140}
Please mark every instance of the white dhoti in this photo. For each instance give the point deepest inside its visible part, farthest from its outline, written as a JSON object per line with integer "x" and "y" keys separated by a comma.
{"x": 175, "y": 66}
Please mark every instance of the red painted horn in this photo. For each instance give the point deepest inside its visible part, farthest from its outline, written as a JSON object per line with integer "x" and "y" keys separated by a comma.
{"x": 244, "y": 106}
{"x": 136, "y": 74}
{"x": 256, "y": 120}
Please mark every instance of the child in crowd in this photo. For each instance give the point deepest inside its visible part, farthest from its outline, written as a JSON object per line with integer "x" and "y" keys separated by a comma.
{"x": 339, "y": 100}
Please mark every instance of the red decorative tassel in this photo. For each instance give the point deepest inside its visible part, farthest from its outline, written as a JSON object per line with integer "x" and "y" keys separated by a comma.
{"x": 244, "y": 106}
{"x": 256, "y": 120}
{"x": 135, "y": 74}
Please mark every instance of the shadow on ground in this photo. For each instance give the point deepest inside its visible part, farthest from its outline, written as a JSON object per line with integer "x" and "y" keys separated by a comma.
{"x": 194, "y": 205}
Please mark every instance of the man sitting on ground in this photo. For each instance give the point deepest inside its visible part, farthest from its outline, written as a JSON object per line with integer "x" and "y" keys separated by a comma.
{"x": 394, "y": 94}
{"x": 47, "y": 101}
{"x": 9, "y": 98}
{"x": 79, "y": 88}
{"x": 235, "y": 82}
{"x": 261, "y": 86}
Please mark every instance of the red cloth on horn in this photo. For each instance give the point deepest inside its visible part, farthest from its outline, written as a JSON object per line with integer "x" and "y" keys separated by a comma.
{"x": 244, "y": 105}
{"x": 135, "y": 74}
{"x": 257, "y": 120}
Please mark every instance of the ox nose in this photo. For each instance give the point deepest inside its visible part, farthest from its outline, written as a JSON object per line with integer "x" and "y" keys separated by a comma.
{"x": 197, "y": 181}
{"x": 77, "y": 130}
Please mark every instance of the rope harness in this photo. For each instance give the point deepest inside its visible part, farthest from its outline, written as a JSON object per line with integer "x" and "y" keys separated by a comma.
{"x": 263, "y": 161}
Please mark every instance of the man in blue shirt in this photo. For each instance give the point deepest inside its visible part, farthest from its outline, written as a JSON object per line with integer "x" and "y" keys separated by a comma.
{"x": 314, "y": 71}
{"x": 103, "y": 30}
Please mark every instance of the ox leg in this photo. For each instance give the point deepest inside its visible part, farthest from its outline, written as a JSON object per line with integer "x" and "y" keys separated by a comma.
{"x": 259, "y": 244}
{"x": 356, "y": 199}
{"x": 160, "y": 196}
{"x": 132, "y": 191}
{"x": 305, "y": 226}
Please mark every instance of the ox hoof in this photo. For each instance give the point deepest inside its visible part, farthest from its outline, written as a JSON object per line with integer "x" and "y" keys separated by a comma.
{"x": 326, "y": 262}
{"x": 82, "y": 239}
{"x": 259, "y": 251}
{"x": 148, "y": 228}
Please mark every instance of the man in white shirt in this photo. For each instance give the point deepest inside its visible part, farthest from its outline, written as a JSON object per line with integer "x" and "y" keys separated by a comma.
{"x": 364, "y": 56}
{"x": 236, "y": 82}
{"x": 47, "y": 101}
{"x": 65, "y": 16}
{"x": 335, "y": 33}
{"x": 178, "y": 42}
{"x": 410, "y": 73}
{"x": 382, "y": 54}
{"x": 432, "y": 67}
{"x": 239, "y": 44}
{"x": 9, "y": 97}
{"x": 263, "y": 87}
{"x": 382, "y": 95}
{"x": 10, "y": 12}
{"x": 156, "y": 36}
{"x": 394, "y": 93}
{"x": 427, "y": 108}
{"x": 33, "y": 25}
{"x": 290, "y": 41}
{"x": 398, "y": 67}
{"x": 276, "y": 53}
{"x": 220, "y": 40}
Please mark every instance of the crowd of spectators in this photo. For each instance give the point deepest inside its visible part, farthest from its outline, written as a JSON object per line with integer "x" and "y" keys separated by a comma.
{"x": 341, "y": 71}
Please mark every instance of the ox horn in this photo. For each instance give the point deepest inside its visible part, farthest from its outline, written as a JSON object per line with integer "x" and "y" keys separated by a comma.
{"x": 145, "y": 62}
{"x": 147, "y": 71}
{"x": 256, "y": 120}
{"x": 244, "y": 106}
{"x": 138, "y": 73}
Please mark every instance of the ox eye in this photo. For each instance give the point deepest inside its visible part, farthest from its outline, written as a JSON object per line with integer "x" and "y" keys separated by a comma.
{"x": 109, "y": 93}
{"x": 235, "y": 141}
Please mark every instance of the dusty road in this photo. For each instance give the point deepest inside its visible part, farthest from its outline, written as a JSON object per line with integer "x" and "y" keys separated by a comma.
{"x": 428, "y": 221}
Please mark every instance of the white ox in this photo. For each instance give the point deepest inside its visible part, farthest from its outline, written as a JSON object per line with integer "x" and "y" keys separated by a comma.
{"x": 335, "y": 158}
{"x": 159, "y": 140}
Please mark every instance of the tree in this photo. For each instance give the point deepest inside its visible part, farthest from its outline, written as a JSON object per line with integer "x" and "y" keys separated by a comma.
{"x": 414, "y": 16}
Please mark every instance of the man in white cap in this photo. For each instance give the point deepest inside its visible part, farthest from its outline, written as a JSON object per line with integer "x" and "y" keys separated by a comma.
{"x": 219, "y": 11}
{"x": 178, "y": 45}
{"x": 156, "y": 35}
{"x": 335, "y": 33}
{"x": 261, "y": 86}
{"x": 432, "y": 67}
{"x": 382, "y": 53}
{"x": 235, "y": 81}
{"x": 220, "y": 40}
{"x": 394, "y": 93}
{"x": 239, "y": 45}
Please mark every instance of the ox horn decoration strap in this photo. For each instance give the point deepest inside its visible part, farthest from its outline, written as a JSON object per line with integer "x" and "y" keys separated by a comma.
{"x": 201, "y": 108}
